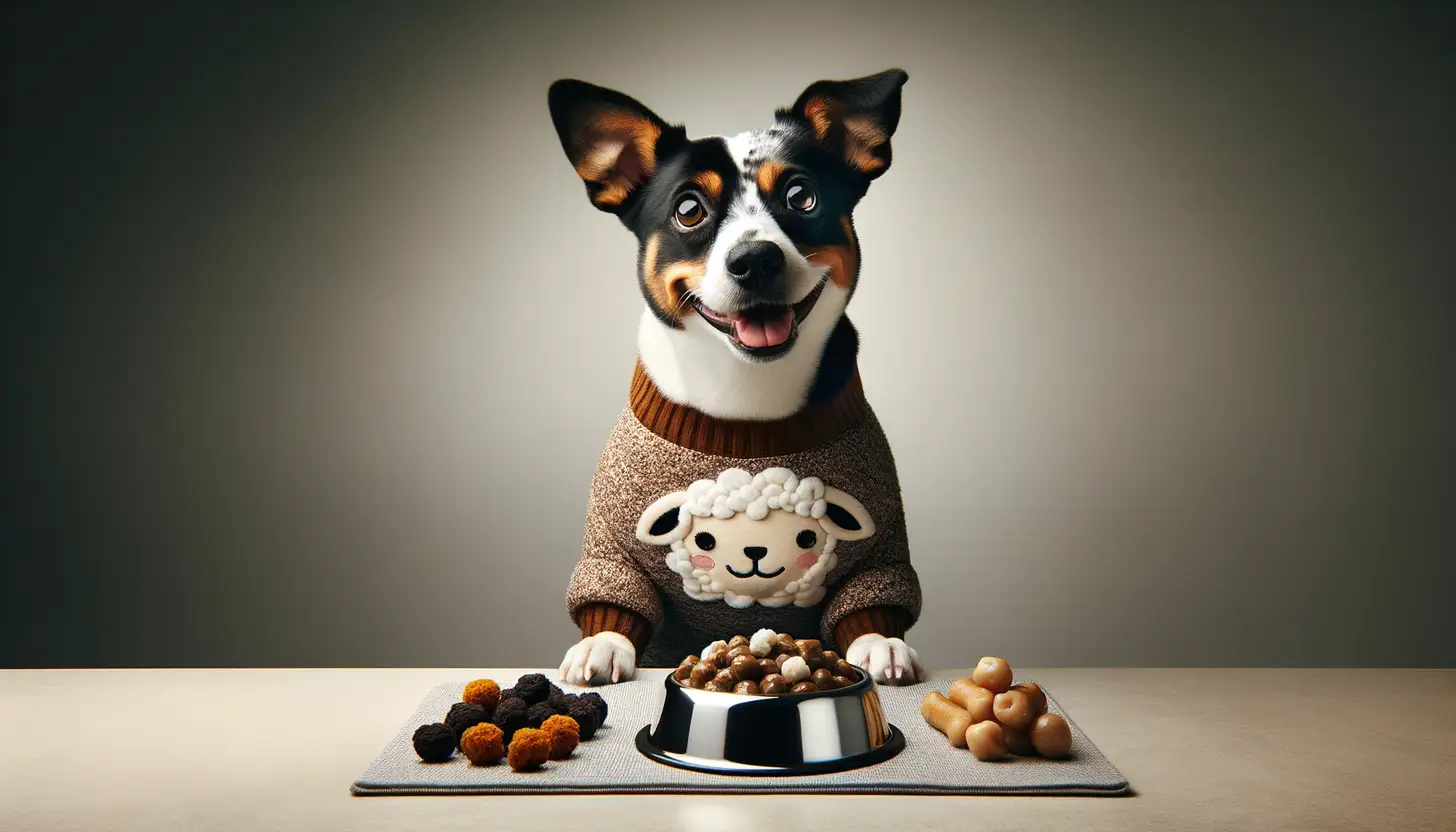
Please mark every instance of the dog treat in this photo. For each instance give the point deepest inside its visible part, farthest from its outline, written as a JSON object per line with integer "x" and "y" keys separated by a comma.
{"x": 978, "y": 701}
{"x": 564, "y": 734}
{"x": 434, "y": 742}
{"x": 714, "y": 647}
{"x": 843, "y": 668}
{"x": 1051, "y": 735}
{"x": 843, "y": 681}
{"x": 986, "y": 741}
{"x": 774, "y": 684}
{"x": 738, "y": 641}
{"x": 795, "y": 669}
{"x": 829, "y": 659}
{"x": 1013, "y": 709}
{"x": 465, "y": 715}
{"x": 588, "y": 718}
{"x": 702, "y": 673}
{"x": 530, "y": 749}
{"x": 726, "y": 677}
{"x": 993, "y": 674}
{"x": 1035, "y": 693}
{"x": 483, "y": 744}
{"x": 1018, "y": 741}
{"x": 780, "y": 659}
{"x": 747, "y": 687}
{"x": 824, "y": 679}
{"x": 683, "y": 673}
{"x": 762, "y": 642}
{"x": 804, "y": 687}
{"x": 537, "y": 714}
{"x": 510, "y": 716}
{"x": 946, "y": 717}
{"x": 483, "y": 692}
{"x": 767, "y": 667}
{"x": 787, "y": 645}
{"x": 533, "y": 687}
{"x": 746, "y": 668}
{"x": 596, "y": 699}
{"x": 810, "y": 649}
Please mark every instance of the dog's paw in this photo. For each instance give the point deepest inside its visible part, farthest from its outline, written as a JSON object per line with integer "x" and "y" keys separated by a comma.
{"x": 604, "y": 658}
{"x": 889, "y": 661}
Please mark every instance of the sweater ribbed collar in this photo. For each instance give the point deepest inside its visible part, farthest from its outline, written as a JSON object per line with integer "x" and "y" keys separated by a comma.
{"x": 742, "y": 438}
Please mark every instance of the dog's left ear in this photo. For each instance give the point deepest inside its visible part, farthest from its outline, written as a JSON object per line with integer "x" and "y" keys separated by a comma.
{"x": 614, "y": 142}
{"x": 854, "y": 119}
{"x": 846, "y": 518}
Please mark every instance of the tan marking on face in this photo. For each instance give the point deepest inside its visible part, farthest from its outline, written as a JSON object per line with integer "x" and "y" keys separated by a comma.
{"x": 768, "y": 175}
{"x": 841, "y": 258}
{"x": 668, "y": 284}
{"x": 711, "y": 183}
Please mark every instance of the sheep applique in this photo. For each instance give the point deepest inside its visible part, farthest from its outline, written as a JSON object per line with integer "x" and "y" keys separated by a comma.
{"x": 765, "y": 538}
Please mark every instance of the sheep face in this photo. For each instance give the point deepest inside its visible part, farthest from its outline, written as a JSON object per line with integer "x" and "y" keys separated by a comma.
{"x": 767, "y": 539}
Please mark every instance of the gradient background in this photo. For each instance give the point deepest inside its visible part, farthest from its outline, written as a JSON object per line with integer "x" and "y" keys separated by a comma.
{"x": 312, "y": 340}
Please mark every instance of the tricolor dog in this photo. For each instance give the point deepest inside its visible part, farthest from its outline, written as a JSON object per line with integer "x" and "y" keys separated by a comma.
{"x": 746, "y": 483}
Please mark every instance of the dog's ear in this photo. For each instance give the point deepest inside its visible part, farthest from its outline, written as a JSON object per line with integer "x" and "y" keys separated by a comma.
{"x": 854, "y": 119}
{"x": 664, "y": 522}
{"x": 845, "y": 517}
{"x": 613, "y": 141}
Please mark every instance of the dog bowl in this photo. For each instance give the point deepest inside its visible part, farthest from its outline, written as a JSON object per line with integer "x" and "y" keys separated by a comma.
{"x": 788, "y": 734}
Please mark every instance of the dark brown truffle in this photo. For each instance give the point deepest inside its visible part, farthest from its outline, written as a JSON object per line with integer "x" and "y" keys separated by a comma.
{"x": 464, "y": 716}
{"x": 434, "y": 742}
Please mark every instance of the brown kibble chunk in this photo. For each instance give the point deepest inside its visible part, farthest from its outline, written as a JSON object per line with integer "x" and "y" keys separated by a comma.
{"x": 717, "y": 658}
{"x": 993, "y": 674}
{"x": 831, "y": 659}
{"x": 986, "y": 741}
{"x": 844, "y": 668}
{"x": 1052, "y": 736}
{"x": 746, "y": 669}
{"x": 737, "y": 641}
{"x": 1018, "y": 741}
{"x": 1013, "y": 708}
{"x": 691, "y": 660}
{"x": 702, "y": 673}
{"x": 946, "y": 717}
{"x": 774, "y": 684}
{"x": 1037, "y": 696}
{"x": 804, "y": 687}
{"x": 747, "y": 687}
{"x": 483, "y": 692}
{"x": 810, "y": 649}
{"x": 787, "y": 646}
{"x": 483, "y": 744}
{"x": 530, "y": 748}
{"x": 843, "y": 681}
{"x": 978, "y": 701}
{"x": 725, "y": 677}
{"x": 735, "y": 652}
{"x": 683, "y": 672}
{"x": 824, "y": 679}
{"x": 767, "y": 666}
{"x": 720, "y": 687}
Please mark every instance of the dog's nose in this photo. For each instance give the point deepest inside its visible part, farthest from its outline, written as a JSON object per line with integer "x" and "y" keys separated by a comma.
{"x": 755, "y": 553}
{"x": 755, "y": 263}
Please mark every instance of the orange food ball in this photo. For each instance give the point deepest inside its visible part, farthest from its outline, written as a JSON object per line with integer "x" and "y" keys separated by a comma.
{"x": 483, "y": 692}
{"x": 564, "y": 734}
{"x": 483, "y": 744}
{"x": 993, "y": 674}
{"x": 530, "y": 748}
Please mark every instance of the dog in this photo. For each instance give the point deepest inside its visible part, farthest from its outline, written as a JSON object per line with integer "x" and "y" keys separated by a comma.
{"x": 746, "y": 485}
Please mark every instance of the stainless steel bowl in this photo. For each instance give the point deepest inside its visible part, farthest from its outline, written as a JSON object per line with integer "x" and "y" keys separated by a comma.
{"x": 790, "y": 734}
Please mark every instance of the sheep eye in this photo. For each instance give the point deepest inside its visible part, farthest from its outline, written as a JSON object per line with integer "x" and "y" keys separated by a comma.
{"x": 705, "y": 541}
{"x": 806, "y": 539}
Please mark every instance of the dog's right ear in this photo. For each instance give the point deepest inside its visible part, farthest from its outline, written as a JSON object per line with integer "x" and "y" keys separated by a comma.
{"x": 613, "y": 141}
{"x": 664, "y": 522}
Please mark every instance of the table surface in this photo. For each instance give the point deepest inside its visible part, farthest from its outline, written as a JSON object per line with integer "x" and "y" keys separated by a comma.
{"x": 1220, "y": 749}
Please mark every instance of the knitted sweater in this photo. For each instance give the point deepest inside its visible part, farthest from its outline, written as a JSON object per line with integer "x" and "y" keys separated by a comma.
{"x": 700, "y": 528}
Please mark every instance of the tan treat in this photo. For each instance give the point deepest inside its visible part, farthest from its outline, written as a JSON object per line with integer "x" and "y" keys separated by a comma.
{"x": 978, "y": 701}
{"x": 824, "y": 679}
{"x": 767, "y": 667}
{"x": 986, "y": 740}
{"x": 1013, "y": 709}
{"x": 746, "y": 669}
{"x": 946, "y": 717}
{"x": 1035, "y": 693}
{"x": 1051, "y": 735}
{"x": 804, "y": 687}
{"x": 564, "y": 732}
{"x": 747, "y": 687}
{"x": 737, "y": 641}
{"x": 1018, "y": 741}
{"x": 993, "y": 674}
{"x": 483, "y": 744}
{"x": 774, "y": 684}
{"x": 530, "y": 748}
{"x": 482, "y": 692}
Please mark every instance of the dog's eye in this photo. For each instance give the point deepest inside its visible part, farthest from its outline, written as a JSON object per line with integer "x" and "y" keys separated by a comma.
{"x": 689, "y": 211}
{"x": 800, "y": 196}
{"x": 806, "y": 539}
{"x": 705, "y": 541}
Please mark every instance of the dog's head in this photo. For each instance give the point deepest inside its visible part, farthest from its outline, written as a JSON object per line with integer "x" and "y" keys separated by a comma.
{"x": 740, "y": 238}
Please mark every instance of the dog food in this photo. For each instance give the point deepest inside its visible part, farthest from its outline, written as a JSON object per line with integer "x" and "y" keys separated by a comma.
{"x": 946, "y": 717}
{"x": 766, "y": 664}
{"x": 997, "y": 717}
{"x": 489, "y": 723}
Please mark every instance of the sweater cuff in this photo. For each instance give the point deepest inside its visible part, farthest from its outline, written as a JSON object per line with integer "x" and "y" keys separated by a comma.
{"x": 890, "y": 622}
{"x": 600, "y": 618}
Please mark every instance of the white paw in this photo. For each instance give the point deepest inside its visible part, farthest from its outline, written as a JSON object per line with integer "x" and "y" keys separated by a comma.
{"x": 601, "y": 659}
{"x": 889, "y": 661}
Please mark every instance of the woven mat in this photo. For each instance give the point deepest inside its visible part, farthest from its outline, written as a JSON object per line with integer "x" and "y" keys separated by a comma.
{"x": 610, "y": 763}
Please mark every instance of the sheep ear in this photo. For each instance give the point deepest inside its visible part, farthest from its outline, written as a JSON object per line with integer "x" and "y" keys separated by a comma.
{"x": 664, "y": 522}
{"x": 846, "y": 518}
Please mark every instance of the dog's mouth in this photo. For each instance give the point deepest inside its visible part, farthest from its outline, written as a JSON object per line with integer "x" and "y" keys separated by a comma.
{"x": 765, "y": 330}
{"x": 754, "y": 571}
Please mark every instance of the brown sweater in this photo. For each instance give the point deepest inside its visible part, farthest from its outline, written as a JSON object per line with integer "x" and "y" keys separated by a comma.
{"x": 700, "y": 528}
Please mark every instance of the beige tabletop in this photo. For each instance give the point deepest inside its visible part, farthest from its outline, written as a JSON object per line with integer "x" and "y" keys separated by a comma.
{"x": 197, "y": 750}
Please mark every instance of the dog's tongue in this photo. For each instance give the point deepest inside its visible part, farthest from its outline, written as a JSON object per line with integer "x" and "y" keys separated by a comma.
{"x": 764, "y": 333}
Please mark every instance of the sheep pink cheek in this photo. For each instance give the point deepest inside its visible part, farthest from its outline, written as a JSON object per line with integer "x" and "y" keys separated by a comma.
{"x": 808, "y": 559}
{"x": 702, "y": 561}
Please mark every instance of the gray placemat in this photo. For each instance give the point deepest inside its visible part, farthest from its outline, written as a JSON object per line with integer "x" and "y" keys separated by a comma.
{"x": 610, "y": 763}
